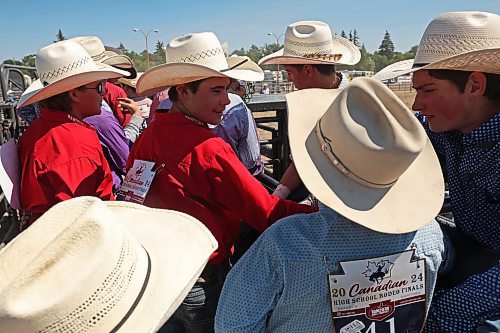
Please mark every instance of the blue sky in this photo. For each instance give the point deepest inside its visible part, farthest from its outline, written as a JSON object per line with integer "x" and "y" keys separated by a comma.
{"x": 26, "y": 26}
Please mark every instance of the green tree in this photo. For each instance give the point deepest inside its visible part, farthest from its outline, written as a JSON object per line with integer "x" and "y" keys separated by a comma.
{"x": 355, "y": 38}
{"x": 386, "y": 48}
{"x": 59, "y": 36}
{"x": 366, "y": 63}
{"x": 350, "y": 36}
{"x": 122, "y": 47}
{"x": 343, "y": 34}
{"x": 29, "y": 60}
{"x": 159, "y": 48}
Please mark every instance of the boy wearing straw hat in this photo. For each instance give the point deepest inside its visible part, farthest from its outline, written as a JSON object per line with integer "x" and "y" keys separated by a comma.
{"x": 456, "y": 76}
{"x": 368, "y": 260}
{"x": 178, "y": 163}
{"x": 60, "y": 155}
{"x": 309, "y": 55}
{"x": 458, "y": 98}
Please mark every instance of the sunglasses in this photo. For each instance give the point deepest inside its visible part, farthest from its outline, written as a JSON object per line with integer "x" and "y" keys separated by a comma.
{"x": 99, "y": 88}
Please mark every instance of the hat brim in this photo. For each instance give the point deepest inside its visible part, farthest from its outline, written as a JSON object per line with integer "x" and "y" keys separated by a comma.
{"x": 350, "y": 55}
{"x": 394, "y": 70}
{"x": 413, "y": 201}
{"x": 178, "y": 251}
{"x": 37, "y": 91}
{"x": 120, "y": 61}
{"x": 486, "y": 61}
{"x": 172, "y": 74}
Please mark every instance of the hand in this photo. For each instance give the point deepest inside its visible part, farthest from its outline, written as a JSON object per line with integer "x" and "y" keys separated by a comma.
{"x": 129, "y": 106}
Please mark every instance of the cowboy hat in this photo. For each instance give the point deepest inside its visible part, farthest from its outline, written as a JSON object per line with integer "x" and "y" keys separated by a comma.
{"x": 95, "y": 266}
{"x": 194, "y": 57}
{"x": 130, "y": 82}
{"x": 100, "y": 54}
{"x": 362, "y": 153}
{"x": 63, "y": 66}
{"x": 312, "y": 42}
{"x": 453, "y": 34}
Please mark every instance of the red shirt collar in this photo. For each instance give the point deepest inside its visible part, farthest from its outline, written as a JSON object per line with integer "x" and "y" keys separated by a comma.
{"x": 61, "y": 117}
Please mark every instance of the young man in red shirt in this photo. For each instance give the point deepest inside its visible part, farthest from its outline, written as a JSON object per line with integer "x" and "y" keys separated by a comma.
{"x": 197, "y": 172}
{"x": 60, "y": 155}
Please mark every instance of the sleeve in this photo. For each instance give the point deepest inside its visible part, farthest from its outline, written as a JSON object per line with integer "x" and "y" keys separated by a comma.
{"x": 251, "y": 290}
{"x": 113, "y": 138}
{"x": 239, "y": 192}
{"x": 79, "y": 177}
{"x": 132, "y": 130}
{"x": 252, "y": 141}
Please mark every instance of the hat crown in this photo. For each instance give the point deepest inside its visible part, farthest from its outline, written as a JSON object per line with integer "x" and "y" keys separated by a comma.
{"x": 202, "y": 48}
{"x": 61, "y": 60}
{"x": 372, "y": 134}
{"x": 307, "y": 38}
{"x": 38, "y": 295}
{"x": 93, "y": 45}
{"x": 454, "y": 33}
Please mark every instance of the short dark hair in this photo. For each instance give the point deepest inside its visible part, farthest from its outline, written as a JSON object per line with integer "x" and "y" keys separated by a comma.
{"x": 459, "y": 79}
{"x": 325, "y": 69}
{"x": 193, "y": 86}
{"x": 60, "y": 102}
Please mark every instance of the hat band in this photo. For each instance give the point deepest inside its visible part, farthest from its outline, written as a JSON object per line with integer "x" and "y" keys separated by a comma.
{"x": 234, "y": 66}
{"x": 137, "y": 299}
{"x": 327, "y": 149}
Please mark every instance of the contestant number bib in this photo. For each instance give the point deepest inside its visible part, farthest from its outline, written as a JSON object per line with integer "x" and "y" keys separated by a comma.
{"x": 379, "y": 295}
{"x": 136, "y": 185}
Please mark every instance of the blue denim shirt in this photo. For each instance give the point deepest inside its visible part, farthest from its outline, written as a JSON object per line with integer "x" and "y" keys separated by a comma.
{"x": 238, "y": 129}
{"x": 280, "y": 284}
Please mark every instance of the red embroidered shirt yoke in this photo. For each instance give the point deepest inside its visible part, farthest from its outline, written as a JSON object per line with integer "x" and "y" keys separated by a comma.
{"x": 203, "y": 177}
{"x": 60, "y": 159}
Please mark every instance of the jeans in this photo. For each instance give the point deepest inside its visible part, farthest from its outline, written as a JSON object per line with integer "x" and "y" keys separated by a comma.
{"x": 196, "y": 314}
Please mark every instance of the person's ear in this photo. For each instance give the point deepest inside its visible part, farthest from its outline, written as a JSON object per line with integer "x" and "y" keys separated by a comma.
{"x": 74, "y": 95}
{"x": 309, "y": 70}
{"x": 476, "y": 84}
{"x": 182, "y": 90}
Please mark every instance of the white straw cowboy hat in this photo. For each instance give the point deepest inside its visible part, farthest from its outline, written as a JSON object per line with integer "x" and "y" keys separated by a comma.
{"x": 450, "y": 35}
{"x": 194, "y": 57}
{"x": 312, "y": 42}
{"x": 130, "y": 82}
{"x": 363, "y": 153}
{"x": 92, "y": 266}
{"x": 100, "y": 54}
{"x": 63, "y": 66}
{"x": 394, "y": 70}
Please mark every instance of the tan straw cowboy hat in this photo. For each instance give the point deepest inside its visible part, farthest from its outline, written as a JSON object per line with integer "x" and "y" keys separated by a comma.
{"x": 194, "y": 57}
{"x": 312, "y": 42}
{"x": 363, "y": 153}
{"x": 92, "y": 266}
{"x": 454, "y": 35}
{"x": 63, "y": 66}
{"x": 100, "y": 54}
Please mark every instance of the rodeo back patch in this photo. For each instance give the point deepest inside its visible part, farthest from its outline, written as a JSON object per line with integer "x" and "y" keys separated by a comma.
{"x": 379, "y": 295}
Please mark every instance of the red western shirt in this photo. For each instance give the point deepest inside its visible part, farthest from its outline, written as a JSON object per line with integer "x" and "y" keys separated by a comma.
{"x": 60, "y": 158}
{"x": 111, "y": 94}
{"x": 203, "y": 177}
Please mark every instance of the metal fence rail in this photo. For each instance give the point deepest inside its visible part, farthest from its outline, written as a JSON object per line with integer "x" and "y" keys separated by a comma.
{"x": 271, "y": 117}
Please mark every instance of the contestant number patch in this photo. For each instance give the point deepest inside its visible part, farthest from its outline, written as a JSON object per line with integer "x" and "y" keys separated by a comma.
{"x": 136, "y": 185}
{"x": 379, "y": 295}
